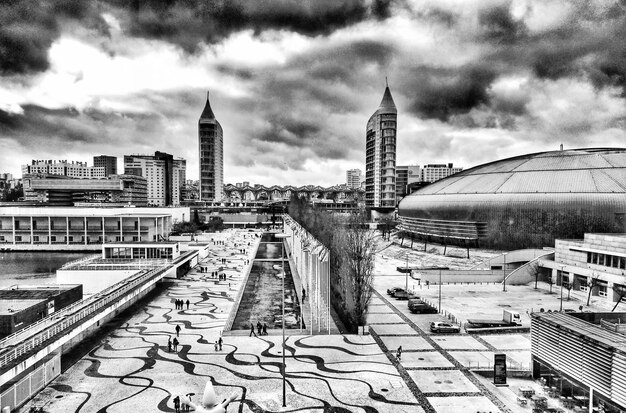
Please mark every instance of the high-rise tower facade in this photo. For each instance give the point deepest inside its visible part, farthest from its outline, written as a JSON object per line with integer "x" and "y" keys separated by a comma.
{"x": 210, "y": 137}
{"x": 380, "y": 155}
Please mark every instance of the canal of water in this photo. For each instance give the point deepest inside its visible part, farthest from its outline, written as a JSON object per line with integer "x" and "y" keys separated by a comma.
{"x": 261, "y": 300}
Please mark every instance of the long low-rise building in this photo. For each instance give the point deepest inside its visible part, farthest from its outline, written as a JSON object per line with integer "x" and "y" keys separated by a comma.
{"x": 54, "y": 228}
{"x": 582, "y": 357}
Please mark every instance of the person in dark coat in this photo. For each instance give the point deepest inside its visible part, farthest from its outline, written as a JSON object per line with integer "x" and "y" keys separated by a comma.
{"x": 177, "y": 404}
{"x": 175, "y": 343}
{"x": 259, "y": 327}
{"x": 219, "y": 342}
{"x": 177, "y": 330}
{"x": 187, "y": 304}
{"x": 252, "y": 330}
{"x": 169, "y": 344}
{"x": 264, "y": 329}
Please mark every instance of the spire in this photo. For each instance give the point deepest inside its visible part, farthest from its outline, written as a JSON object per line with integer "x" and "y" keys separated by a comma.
{"x": 387, "y": 101}
{"x": 207, "y": 113}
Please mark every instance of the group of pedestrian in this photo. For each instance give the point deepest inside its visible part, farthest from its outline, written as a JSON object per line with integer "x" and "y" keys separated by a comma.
{"x": 180, "y": 303}
{"x": 178, "y": 406}
{"x": 172, "y": 344}
{"x": 218, "y": 344}
{"x": 260, "y": 328}
{"x": 242, "y": 250}
{"x": 223, "y": 260}
{"x": 221, "y": 277}
{"x": 218, "y": 242}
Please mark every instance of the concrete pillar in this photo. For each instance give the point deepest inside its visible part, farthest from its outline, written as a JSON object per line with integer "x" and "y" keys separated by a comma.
{"x": 13, "y": 219}
{"x": 590, "y": 399}
{"x": 104, "y": 235}
{"x": 121, "y": 229}
{"x": 85, "y": 229}
{"x": 31, "y": 230}
{"x": 138, "y": 229}
{"x": 67, "y": 230}
{"x": 49, "y": 230}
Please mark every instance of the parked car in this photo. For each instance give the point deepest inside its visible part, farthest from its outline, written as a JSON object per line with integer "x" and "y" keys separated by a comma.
{"x": 418, "y": 306}
{"x": 392, "y": 291}
{"x": 403, "y": 295}
{"x": 442, "y": 327}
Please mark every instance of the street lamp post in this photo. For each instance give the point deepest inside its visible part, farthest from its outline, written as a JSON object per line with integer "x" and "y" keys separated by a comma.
{"x": 561, "y": 266}
{"x": 504, "y": 272}
{"x": 282, "y": 236}
{"x": 406, "y": 274}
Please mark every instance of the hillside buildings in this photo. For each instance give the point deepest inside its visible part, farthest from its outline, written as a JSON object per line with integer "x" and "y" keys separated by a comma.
{"x": 435, "y": 172}
{"x": 380, "y": 155}
{"x": 165, "y": 175}
{"x": 211, "y": 150}
{"x": 405, "y": 175}
{"x": 64, "y": 168}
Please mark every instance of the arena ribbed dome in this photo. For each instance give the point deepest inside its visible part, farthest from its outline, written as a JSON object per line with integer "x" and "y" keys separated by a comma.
{"x": 524, "y": 201}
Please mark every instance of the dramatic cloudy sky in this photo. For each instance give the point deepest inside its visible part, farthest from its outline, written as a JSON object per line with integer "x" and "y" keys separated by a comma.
{"x": 293, "y": 82}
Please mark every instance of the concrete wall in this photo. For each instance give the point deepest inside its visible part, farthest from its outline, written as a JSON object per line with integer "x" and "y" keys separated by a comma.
{"x": 459, "y": 276}
{"x": 93, "y": 281}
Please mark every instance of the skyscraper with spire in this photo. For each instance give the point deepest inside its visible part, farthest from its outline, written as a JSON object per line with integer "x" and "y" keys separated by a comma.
{"x": 380, "y": 155}
{"x": 211, "y": 147}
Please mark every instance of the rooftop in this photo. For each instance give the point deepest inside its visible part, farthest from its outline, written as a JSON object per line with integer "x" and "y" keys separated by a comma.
{"x": 8, "y": 307}
{"x": 589, "y": 170}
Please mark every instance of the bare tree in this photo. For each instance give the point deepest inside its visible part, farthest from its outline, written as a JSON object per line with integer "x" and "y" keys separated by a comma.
{"x": 620, "y": 290}
{"x": 591, "y": 285}
{"x": 358, "y": 246}
{"x": 568, "y": 286}
{"x": 533, "y": 269}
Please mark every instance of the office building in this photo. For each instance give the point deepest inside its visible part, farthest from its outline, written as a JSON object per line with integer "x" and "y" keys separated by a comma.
{"x": 109, "y": 163}
{"x": 211, "y": 149}
{"x": 435, "y": 172}
{"x": 64, "y": 168}
{"x": 405, "y": 175}
{"x": 380, "y": 155}
{"x": 523, "y": 202}
{"x": 165, "y": 176}
{"x": 60, "y": 190}
{"x": 354, "y": 177}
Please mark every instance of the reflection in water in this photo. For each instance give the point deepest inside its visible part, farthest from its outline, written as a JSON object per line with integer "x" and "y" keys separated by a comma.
{"x": 33, "y": 267}
{"x": 262, "y": 296}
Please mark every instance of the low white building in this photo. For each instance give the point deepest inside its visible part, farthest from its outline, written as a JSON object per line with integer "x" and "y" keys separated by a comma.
{"x": 72, "y": 228}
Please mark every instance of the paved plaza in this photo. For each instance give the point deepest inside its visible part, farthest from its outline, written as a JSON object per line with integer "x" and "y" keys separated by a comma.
{"x": 132, "y": 369}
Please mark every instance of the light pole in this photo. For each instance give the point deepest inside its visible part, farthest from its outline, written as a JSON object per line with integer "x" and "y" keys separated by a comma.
{"x": 504, "y": 272}
{"x": 281, "y": 237}
{"x": 406, "y": 274}
{"x": 561, "y": 266}
{"x": 440, "y": 290}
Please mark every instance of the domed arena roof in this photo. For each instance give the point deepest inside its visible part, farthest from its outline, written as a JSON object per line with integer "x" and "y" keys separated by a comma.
{"x": 596, "y": 170}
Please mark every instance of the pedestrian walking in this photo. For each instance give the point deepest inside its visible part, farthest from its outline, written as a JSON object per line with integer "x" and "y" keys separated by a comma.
{"x": 177, "y": 330}
{"x": 219, "y": 342}
{"x": 169, "y": 344}
{"x": 252, "y": 330}
{"x": 187, "y": 304}
{"x": 264, "y": 329}
{"x": 259, "y": 327}
{"x": 177, "y": 404}
{"x": 189, "y": 398}
{"x": 175, "y": 343}
{"x": 399, "y": 354}
{"x": 303, "y": 293}
{"x": 216, "y": 346}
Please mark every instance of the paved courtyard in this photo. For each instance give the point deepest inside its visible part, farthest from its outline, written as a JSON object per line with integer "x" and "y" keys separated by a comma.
{"x": 132, "y": 371}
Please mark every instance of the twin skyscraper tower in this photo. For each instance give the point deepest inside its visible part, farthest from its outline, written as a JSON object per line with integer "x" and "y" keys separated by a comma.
{"x": 380, "y": 155}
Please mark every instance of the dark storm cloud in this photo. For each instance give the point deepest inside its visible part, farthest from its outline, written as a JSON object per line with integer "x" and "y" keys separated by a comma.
{"x": 28, "y": 28}
{"x": 498, "y": 25}
{"x": 189, "y": 22}
{"x": 439, "y": 93}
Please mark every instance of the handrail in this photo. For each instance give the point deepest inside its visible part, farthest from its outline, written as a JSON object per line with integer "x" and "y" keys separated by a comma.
{"x": 68, "y": 316}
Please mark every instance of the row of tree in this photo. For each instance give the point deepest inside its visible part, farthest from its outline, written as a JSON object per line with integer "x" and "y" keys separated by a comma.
{"x": 352, "y": 246}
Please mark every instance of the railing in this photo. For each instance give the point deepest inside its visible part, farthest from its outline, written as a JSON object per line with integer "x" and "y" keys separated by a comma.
{"x": 27, "y": 339}
{"x": 79, "y": 261}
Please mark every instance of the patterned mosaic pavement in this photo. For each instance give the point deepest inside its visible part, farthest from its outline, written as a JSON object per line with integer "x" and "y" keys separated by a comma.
{"x": 132, "y": 371}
